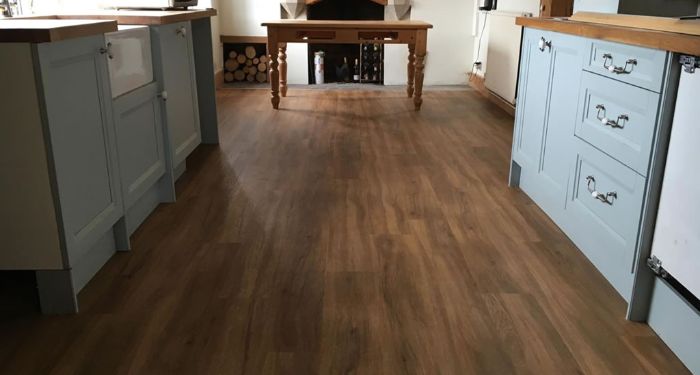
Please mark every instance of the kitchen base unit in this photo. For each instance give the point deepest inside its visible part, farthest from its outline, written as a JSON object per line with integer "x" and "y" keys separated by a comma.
{"x": 60, "y": 192}
{"x": 588, "y": 136}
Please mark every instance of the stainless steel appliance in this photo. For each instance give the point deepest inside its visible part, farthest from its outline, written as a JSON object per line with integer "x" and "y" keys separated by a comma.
{"x": 151, "y": 4}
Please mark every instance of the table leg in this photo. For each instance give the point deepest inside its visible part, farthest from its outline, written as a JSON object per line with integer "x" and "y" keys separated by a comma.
{"x": 411, "y": 69}
{"x": 421, "y": 48}
{"x": 283, "y": 69}
{"x": 273, "y": 50}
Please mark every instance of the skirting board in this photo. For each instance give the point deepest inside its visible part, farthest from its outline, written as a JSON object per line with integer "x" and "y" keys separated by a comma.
{"x": 219, "y": 78}
{"x": 677, "y": 323}
{"x": 477, "y": 82}
{"x": 179, "y": 170}
{"x": 85, "y": 268}
{"x": 143, "y": 207}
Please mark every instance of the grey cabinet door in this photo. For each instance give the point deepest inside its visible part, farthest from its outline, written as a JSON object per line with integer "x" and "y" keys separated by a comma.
{"x": 139, "y": 130}
{"x": 174, "y": 69}
{"x": 531, "y": 101}
{"x": 547, "y": 118}
{"x": 557, "y": 158}
{"x": 82, "y": 143}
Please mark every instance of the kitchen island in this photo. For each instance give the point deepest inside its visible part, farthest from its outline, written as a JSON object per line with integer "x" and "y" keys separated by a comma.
{"x": 84, "y": 166}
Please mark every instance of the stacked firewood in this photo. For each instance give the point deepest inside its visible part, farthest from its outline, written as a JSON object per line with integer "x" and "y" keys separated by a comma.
{"x": 247, "y": 66}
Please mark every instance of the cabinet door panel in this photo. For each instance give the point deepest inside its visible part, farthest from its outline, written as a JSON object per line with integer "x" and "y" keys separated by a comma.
{"x": 78, "y": 110}
{"x": 560, "y": 120}
{"x": 531, "y": 100}
{"x": 606, "y": 230}
{"x": 630, "y": 140}
{"x": 547, "y": 118}
{"x": 175, "y": 70}
{"x": 140, "y": 141}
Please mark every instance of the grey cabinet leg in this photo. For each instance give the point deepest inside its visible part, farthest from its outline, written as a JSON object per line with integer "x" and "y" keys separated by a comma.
{"x": 204, "y": 70}
{"x": 121, "y": 235}
{"x": 56, "y": 292}
{"x": 514, "y": 177}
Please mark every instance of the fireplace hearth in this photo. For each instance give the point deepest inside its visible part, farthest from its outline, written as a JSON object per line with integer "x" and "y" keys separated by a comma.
{"x": 344, "y": 62}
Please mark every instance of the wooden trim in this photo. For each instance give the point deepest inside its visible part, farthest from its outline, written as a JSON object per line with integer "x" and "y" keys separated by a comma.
{"x": 477, "y": 83}
{"x": 239, "y": 39}
{"x": 219, "y": 79}
{"x": 668, "y": 24}
{"x": 334, "y": 25}
{"x": 661, "y": 40}
{"x": 380, "y": 2}
{"x": 51, "y": 30}
{"x": 134, "y": 17}
{"x": 556, "y": 8}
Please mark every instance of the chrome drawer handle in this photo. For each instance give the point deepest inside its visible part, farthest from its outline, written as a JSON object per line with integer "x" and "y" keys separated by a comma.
{"x": 627, "y": 69}
{"x": 618, "y": 124}
{"x": 608, "y": 198}
{"x": 107, "y": 50}
{"x": 543, "y": 44}
{"x": 182, "y": 31}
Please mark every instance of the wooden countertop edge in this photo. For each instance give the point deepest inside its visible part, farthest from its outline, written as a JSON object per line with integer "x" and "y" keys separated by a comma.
{"x": 661, "y": 40}
{"x": 141, "y": 19}
{"x": 56, "y": 34}
{"x": 138, "y": 18}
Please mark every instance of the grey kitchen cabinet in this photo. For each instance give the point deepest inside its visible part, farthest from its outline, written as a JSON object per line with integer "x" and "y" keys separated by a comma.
{"x": 591, "y": 124}
{"x": 547, "y": 101}
{"x": 173, "y": 62}
{"x": 141, "y": 147}
{"x": 61, "y": 193}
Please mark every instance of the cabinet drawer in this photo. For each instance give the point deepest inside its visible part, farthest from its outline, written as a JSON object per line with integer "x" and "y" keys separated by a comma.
{"x": 619, "y": 119}
{"x": 638, "y": 66}
{"x": 605, "y": 205}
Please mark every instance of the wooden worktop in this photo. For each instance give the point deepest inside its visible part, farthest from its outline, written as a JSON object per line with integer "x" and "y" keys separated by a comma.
{"x": 379, "y": 25}
{"x": 662, "y": 34}
{"x": 134, "y": 17}
{"x": 51, "y": 30}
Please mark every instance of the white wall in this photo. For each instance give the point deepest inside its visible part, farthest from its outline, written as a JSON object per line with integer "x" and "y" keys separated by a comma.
{"x": 515, "y": 6}
{"x": 215, "y": 34}
{"x": 450, "y": 44}
{"x": 603, "y": 6}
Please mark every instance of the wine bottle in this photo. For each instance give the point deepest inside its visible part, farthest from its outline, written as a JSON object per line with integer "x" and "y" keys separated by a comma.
{"x": 356, "y": 70}
{"x": 345, "y": 71}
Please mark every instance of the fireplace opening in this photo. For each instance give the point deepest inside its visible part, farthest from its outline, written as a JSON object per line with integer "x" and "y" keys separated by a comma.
{"x": 362, "y": 63}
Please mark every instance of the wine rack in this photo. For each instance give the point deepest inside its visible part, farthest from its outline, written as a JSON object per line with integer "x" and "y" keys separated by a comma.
{"x": 372, "y": 63}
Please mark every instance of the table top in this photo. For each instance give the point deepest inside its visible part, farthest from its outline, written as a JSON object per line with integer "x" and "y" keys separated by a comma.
{"x": 373, "y": 25}
{"x": 51, "y": 30}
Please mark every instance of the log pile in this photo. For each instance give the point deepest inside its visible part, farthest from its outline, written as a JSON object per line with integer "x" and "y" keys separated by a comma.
{"x": 247, "y": 65}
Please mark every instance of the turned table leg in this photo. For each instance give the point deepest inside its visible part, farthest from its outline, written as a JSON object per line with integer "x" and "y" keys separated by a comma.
{"x": 411, "y": 69}
{"x": 273, "y": 50}
{"x": 283, "y": 69}
{"x": 421, "y": 48}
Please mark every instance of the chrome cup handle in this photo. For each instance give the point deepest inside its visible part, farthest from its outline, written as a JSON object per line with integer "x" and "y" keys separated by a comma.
{"x": 627, "y": 69}
{"x": 607, "y": 198}
{"x": 107, "y": 50}
{"x": 544, "y": 44}
{"x": 617, "y": 124}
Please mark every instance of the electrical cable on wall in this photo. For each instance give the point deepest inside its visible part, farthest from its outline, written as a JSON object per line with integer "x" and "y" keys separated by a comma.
{"x": 477, "y": 62}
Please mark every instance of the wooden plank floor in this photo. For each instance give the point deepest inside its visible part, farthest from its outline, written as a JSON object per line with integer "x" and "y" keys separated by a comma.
{"x": 348, "y": 235}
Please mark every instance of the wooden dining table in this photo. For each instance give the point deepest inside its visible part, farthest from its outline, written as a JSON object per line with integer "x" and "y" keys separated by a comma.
{"x": 412, "y": 33}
